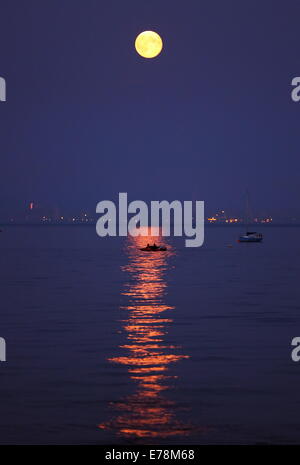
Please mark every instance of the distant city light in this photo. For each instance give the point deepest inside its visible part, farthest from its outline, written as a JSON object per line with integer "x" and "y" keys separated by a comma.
{"x": 37, "y": 213}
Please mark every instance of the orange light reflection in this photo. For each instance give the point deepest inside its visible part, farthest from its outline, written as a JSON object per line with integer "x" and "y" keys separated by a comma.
{"x": 147, "y": 413}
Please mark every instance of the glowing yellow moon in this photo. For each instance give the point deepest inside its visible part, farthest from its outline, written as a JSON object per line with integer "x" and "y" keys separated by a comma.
{"x": 148, "y": 44}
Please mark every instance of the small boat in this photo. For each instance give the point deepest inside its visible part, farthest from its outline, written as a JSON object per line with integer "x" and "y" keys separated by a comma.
{"x": 153, "y": 248}
{"x": 251, "y": 237}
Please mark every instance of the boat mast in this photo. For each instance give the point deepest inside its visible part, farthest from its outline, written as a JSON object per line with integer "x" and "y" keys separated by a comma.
{"x": 247, "y": 216}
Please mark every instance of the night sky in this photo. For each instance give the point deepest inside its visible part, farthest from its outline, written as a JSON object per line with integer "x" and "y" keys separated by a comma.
{"x": 86, "y": 117}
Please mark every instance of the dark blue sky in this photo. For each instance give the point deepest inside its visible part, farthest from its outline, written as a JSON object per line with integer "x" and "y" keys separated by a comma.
{"x": 86, "y": 117}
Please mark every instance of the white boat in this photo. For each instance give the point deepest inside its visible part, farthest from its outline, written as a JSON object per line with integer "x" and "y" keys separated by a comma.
{"x": 251, "y": 237}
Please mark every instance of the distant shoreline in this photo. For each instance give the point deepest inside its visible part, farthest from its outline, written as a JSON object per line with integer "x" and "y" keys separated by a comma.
{"x": 220, "y": 225}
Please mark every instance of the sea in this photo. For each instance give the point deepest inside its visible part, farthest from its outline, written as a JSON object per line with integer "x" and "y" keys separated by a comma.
{"x": 107, "y": 344}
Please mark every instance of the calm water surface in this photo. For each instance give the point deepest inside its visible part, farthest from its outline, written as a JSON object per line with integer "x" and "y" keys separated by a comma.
{"x": 110, "y": 345}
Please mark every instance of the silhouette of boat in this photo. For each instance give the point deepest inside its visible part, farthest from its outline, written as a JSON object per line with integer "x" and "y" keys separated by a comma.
{"x": 153, "y": 248}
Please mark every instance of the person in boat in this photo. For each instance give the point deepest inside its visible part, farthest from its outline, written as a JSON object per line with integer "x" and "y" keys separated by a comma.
{"x": 153, "y": 248}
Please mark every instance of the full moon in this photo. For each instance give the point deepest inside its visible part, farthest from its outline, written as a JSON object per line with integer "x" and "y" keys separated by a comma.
{"x": 148, "y": 44}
